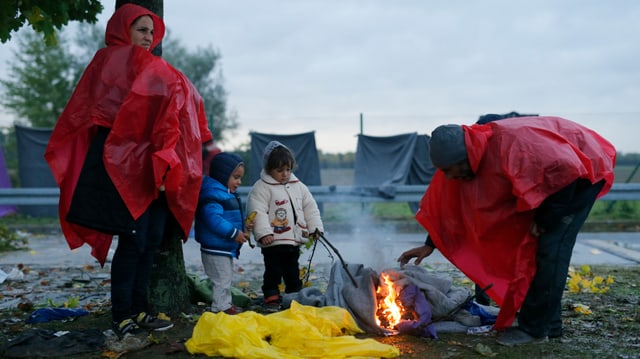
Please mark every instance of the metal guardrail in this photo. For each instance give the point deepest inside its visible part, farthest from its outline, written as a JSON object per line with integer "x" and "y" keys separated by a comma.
{"x": 322, "y": 194}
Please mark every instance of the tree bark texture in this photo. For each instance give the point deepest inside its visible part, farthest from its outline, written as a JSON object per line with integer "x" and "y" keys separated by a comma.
{"x": 169, "y": 285}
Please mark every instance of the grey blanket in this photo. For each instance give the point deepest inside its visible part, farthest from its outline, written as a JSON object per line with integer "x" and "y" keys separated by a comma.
{"x": 361, "y": 302}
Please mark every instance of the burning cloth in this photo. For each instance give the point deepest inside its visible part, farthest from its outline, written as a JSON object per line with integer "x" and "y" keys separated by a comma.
{"x": 438, "y": 290}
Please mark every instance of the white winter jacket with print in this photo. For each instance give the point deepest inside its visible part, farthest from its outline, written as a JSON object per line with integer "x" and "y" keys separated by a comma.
{"x": 287, "y": 211}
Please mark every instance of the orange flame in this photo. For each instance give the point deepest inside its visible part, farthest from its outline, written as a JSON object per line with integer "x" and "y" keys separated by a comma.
{"x": 389, "y": 309}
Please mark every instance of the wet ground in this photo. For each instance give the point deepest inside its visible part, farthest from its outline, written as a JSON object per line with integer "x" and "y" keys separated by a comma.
{"x": 376, "y": 250}
{"x": 52, "y": 270}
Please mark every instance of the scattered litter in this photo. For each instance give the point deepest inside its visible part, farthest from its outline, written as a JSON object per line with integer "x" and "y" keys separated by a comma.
{"x": 44, "y": 315}
{"x": 480, "y": 330}
{"x": 129, "y": 342}
{"x": 14, "y": 275}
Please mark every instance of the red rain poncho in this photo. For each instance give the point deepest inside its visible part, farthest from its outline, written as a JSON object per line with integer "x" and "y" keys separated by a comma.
{"x": 482, "y": 225}
{"x": 157, "y": 123}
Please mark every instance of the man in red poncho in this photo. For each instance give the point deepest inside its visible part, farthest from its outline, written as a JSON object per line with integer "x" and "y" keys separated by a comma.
{"x": 127, "y": 156}
{"x": 506, "y": 206}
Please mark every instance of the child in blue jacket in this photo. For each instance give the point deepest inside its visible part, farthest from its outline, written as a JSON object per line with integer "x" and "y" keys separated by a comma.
{"x": 219, "y": 226}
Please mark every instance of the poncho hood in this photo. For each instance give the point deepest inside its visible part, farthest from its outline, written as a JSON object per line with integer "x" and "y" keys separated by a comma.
{"x": 118, "y": 27}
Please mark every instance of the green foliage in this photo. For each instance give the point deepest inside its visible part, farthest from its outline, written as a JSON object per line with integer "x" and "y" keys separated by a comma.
{"x": 203, "y": 69}
{"x": 10, "y": 240}
{"x": 45, "y": 16}
{"x": 391, "y": 210}
{"x": 72, "y": 302}
{"x": 615, "y": 211}
{"x": 42, "y": 79}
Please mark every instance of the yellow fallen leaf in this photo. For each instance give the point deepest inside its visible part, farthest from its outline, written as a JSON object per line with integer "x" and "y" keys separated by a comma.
{"x": 582, "y": 309}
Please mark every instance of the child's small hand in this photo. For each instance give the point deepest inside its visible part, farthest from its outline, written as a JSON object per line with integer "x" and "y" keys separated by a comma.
{"x": 314, "y": 236}
{"x": 241, "y": 237}
{"x": 268, "y": 239}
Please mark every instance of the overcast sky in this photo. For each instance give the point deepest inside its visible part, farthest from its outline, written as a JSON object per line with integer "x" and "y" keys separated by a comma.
{"x": 408, "y": 66}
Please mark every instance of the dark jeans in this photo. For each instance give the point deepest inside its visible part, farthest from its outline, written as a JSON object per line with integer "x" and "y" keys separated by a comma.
{"x": 281, "y": 262}
{"x": 541, "y": 311}
{"x": 133, "y": 261}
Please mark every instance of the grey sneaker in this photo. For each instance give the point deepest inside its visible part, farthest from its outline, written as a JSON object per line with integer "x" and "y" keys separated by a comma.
{"x": 150, "y": 322}
{"x": 516, "y": 336}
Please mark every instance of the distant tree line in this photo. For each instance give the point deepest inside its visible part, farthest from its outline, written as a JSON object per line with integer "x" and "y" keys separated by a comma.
{"x": 628, "y": 159}
{"x": 337, "y": 160}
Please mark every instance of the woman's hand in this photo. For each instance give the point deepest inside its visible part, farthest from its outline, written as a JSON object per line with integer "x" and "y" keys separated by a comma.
{"x": 536, "y": 230}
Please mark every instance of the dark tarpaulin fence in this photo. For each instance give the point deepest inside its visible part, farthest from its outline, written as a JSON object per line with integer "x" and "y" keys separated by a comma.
{"x": 381, "y": 162}
{"x": 385, "y": 162}
{"x": 5, "y": 182}
{"x": 304, "y": 150}
{"x": 33, "y": 170}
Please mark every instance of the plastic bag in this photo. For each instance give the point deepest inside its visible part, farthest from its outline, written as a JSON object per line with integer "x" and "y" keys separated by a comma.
{"x": 300, "y": 331}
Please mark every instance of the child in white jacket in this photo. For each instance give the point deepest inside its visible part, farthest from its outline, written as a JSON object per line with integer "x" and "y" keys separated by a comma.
{"x": 287, "y": 215}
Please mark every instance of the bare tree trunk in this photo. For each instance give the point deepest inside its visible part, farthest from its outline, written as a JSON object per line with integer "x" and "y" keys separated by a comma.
{"x": 169, "y": 286}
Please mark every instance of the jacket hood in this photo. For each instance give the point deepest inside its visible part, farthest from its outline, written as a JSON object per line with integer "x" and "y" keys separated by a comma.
{"x": 117, "y": 32}
{"x": 222, "y": 166}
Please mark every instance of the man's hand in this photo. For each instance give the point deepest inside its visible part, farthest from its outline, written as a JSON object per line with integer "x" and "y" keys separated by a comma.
{"x": 419, "y": 253}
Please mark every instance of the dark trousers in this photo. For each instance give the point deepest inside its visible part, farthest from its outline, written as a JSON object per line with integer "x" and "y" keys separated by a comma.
{"x": 281, "y": 262}
{"x": 133, "y": 261}
{"x": 541, "y": 311}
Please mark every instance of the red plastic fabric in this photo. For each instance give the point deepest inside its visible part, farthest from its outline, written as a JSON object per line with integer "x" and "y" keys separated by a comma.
{"x": 157, "y": 122}
{"x": 482, "y": 225}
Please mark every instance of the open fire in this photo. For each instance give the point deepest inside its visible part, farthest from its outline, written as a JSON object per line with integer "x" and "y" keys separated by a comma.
{"x": 390, "y": 310}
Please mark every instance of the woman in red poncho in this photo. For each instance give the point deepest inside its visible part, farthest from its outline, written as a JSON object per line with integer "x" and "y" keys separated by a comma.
{"x": 127, "y": 156}
{"x": 506, "y": 206}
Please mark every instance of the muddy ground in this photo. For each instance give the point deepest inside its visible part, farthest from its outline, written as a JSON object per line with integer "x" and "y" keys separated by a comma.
{"x": 612, "y": 330}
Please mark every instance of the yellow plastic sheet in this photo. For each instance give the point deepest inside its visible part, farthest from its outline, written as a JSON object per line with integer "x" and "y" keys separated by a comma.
{"x": 298, "y": 332}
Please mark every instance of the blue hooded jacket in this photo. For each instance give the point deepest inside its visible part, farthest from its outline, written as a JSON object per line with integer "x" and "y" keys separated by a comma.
{"x": 219, "y": 217}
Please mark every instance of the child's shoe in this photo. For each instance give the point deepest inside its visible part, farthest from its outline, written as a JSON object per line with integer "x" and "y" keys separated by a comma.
{"x": 271, "y": 304}
{"x": 232, "y": 310}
